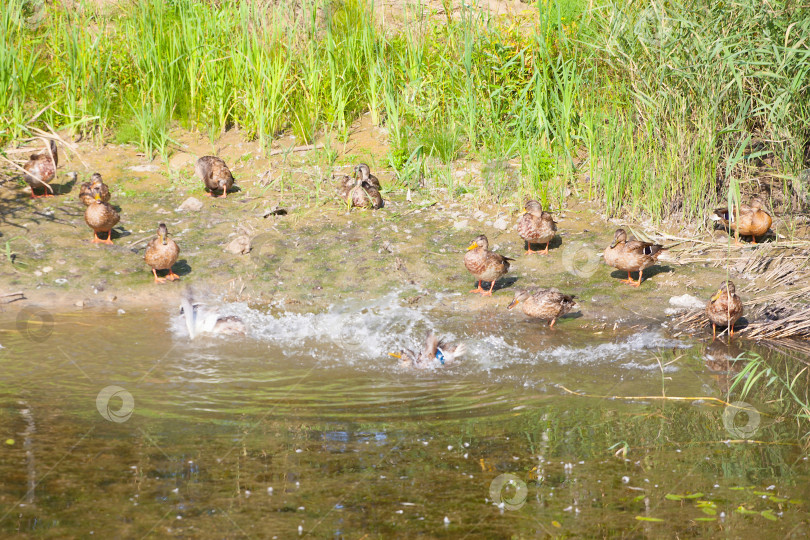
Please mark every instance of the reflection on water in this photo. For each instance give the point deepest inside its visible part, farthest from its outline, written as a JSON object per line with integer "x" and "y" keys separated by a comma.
{"x": 118, "y": 425}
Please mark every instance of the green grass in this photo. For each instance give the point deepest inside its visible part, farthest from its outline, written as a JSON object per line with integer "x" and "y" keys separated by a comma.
{"x": 651, "y": 108}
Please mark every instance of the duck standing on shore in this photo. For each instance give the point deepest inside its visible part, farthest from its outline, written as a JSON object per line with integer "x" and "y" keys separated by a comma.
{"x": 101, "y": 217}
{"x": 536, "y": 227}
{"x": 724, "y": 308}
{"x": 161, "y": 254}
{"x": 753, "y": 220}
{"x": 215, "y": 174}
{"x": 544, "y": 304}
{"x": 631, "y": 256}
{"x": 41, "y": 169}
{"x": 86, "y": 193}
{"x": 484, "y": 264}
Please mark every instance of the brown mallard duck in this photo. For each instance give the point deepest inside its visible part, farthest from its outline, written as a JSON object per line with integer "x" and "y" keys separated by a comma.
{"x": 86, "y": 193}
{"x": 41, "y": 169}
{"x": 434, "y": 353}
{"x": 536, "y": 227}
{"x": 485, "y": 265}
{"x": 161, "y": 254}
{"x": 101, "y": 217}
{"x": 363, "y": 172}
{"x": 345, "y": 184}
{"x": 364, "y": 193}
{"x": 753, "y": 220}
{"x": 724, "y": 308}
{"x": 215, "y": 174}
{"x": 632, "y": 256}
{"x": 544, "y": 304}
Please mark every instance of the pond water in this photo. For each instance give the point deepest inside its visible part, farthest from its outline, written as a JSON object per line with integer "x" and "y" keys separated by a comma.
{"x": 117, "y": 425}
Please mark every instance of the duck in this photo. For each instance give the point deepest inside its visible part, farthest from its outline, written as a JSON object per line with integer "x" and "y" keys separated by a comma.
{"x": 544, "y": 304}
{"x": 365, "y": 190}
{"x": 161, "y": 254}
{"x": 536, "y": 227}
{"x": 40, "y": 169}
{"x": 363, "y": 172}
{"x": 215, "y": 174}
{"x": 435, "y": 353}
{"x": 202, "y": 319}
{"x": 485, "y": 265}
{"x": 87, "y": 190}
{"x": 345, "y": 183}
{"x": 753, "y": 220}
{"x": 632, "y": 256}
{"x": 101, "y": 217}
{"x": 724, "y": 308}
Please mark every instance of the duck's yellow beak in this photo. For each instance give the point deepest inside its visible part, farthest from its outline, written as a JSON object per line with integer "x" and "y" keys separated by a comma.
{"x": 395, "y": 355}
{"x": 472, "y": 246}
{"x": 717, "y": 295}
{"x": 97, "y": 196}
{"x": 513, "y": 304}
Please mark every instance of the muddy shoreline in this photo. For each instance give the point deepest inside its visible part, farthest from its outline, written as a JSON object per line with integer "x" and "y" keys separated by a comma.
{"x": 315, "y": 253}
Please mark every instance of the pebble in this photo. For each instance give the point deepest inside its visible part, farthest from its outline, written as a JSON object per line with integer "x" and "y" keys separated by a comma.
{"x": 461, "y": 224}
{"x": 47, "y": 269}
{"x": 501, "y": 224}
{"x": 239, "y": 245}
{"x": 192, "y": 204}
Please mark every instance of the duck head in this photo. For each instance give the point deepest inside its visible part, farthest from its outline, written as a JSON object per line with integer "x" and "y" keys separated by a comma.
{"x": 520, "y": 296}
{"x": 163, "y": 233}
{"x": 534, "y": 208}
{"x": 620, "y": 237}
{"x": 726, "y": 287}
{"x": 479, "y": 242}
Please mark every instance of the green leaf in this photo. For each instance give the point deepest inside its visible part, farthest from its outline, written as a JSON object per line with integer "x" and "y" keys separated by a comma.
{"x": 768, "y": 514}
{"x": 644, "y": 518}
{"x": 672, "y": 497}
{"x": 709, "y": 511}
{"x": 706, "y": 519}
{"x": 694, "y": 495}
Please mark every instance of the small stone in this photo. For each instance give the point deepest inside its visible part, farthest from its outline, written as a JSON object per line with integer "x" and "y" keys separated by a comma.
{"x": 192, "y": 204}
{"x": 180, "y": 160}
{"x": 47, "y": 269}
{"x": 687, "y": 301}
{"x": 79, "y": 303}
{"x": 145, "y": 168}
{"x": 501, "y": 224}
{"x": 461, "y": 224}
{"x": 37, "y": 273}
{"x": 239, "y": 245}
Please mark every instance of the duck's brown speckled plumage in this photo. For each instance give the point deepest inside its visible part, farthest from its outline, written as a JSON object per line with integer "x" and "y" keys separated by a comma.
{"x": 88, "y": 189}
{"x": 724, "y": 308}
{"x": 161, "y": 254}
{"x": 544, "y": 304}
{"x": 101, "y": 217}
{"x": 536, "y": 227}
{"x": 753, "y": 220}
{"x": 434, "y": 353}
{"x": 215, "y": 174}
{"x": 485, "y": 265}
{"x": 41, "y": 169}
{"x": 631, "y": 256}
{"x": 361, "y": 191}
{"x": 363, "y": 172}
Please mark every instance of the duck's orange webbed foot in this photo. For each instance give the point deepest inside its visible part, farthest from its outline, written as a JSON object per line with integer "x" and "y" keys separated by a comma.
{"x": 158, "y": 279}
{"x": 479, "y": 289}
{"x": 172, "y": 276}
